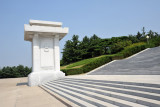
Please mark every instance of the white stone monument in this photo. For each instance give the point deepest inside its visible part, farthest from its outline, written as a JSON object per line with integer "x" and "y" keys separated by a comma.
{"x": 45, "y": 37}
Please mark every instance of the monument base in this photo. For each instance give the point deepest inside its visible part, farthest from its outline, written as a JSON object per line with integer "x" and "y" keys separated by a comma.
{"x": 38, "y": 78}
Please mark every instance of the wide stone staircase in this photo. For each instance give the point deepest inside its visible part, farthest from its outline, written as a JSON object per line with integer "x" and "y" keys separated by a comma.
{"x": 103, "y": 93}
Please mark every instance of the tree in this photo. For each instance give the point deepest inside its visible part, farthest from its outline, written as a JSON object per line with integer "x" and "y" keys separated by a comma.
{"x": 84, "y": 47}
{"x": 139, "y": 36}
{"x": 67, "y": 52}
{"x": 151, "y": 34}
{"x": 143, "y": 32}
{"x": 76, "y": 49}
{"x": 94, "y": 47}
{"x": 71, "y": 51}
{"x": 133, "y": 38}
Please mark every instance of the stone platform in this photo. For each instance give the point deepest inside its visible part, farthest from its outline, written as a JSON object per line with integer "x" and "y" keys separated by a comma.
{"x": 15, "y": 92}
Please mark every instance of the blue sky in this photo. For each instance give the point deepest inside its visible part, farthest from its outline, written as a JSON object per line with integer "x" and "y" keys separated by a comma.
{"x": 105, "y": 18}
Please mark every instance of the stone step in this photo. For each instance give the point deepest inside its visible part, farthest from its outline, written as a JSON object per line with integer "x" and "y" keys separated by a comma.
{"x": 126, "y": 72}
{"x": 119, "y": 82}
{"x": 79, "y": 93}
{"x": 100, "y": 96}
{"x": 138, "y": 88}
{"x": 112, "y": 94}
{"x": 94, "y": 99}
{"x": 119, "y": 90}
{"x": 79, "y": 99}
{"x": 61, "y": 97}
{"x": 116, "y": 89}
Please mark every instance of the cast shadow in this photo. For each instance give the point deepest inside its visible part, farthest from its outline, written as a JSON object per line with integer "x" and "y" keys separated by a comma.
{"x": 22, "y": 83}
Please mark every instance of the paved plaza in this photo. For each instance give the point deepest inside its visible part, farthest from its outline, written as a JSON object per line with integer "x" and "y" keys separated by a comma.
{"x": 15, "y": 92}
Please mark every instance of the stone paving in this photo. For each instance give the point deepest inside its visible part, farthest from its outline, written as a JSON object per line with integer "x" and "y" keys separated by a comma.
{"x": 145, "y": 63}
{"x": 15, "y": 92}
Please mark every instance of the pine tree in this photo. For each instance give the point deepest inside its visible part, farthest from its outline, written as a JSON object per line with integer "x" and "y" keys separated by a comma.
{"x": 67, "y": 52}
{"x": 139, "y": 35}
{"x": 143, "y": 32}
{"x": 84, "y": 47}
{"x": 76, "y": 48}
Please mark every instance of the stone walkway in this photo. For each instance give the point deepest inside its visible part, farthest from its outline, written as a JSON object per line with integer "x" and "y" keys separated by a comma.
{"x": 15, "y": 93}
{"x": 145, "y": 63}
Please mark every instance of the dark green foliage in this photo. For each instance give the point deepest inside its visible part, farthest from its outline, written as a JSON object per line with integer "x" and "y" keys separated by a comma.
{"x": 117, "y": 47}
{"x": 84, "y": 47}
{"x": 133, "y": 38}
{"x": 14, "y": 72}
{"x": 71, "y": 51}
{"x": 67, "y": 53}
{"x": 94, "y": 48}
{"x": 139, "y": 36}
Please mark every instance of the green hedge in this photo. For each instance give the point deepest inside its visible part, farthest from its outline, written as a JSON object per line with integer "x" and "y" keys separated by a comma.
{"x": 128, "y": 51}
{"x": 72, "y": 71}
{"x": 88, "y": 67}
{"x": 96, "y": 63}
{"x": 133, "y": 49}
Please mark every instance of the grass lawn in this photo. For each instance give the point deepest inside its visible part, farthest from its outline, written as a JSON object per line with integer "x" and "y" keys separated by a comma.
{"x": 81, "y": 63}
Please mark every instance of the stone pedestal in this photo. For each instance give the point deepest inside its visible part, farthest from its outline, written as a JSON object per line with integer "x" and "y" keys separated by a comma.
{"x": 45, "y": 37}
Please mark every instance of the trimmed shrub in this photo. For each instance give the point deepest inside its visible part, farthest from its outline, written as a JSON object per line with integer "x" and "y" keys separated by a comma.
{"x": 96, "y": 63}
{"x": 72, "y": 71}
{"x": 133, "y": 49}
{"x": 116, "y": 56}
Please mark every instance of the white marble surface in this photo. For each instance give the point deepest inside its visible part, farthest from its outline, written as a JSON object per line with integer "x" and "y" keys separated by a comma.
{"x": 45, "y": 23}
{"x": 45, "y": 38}
{"x": 38, "y": 78}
